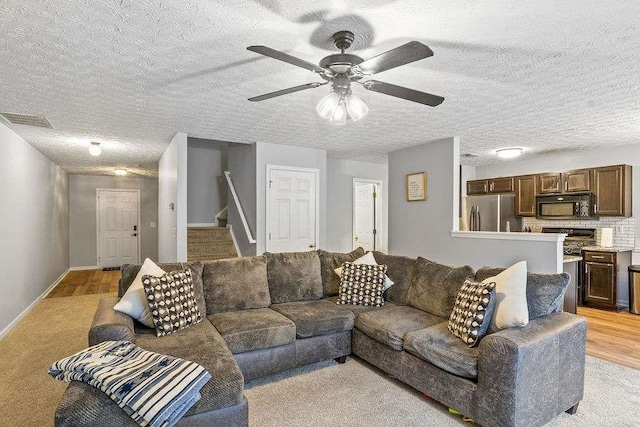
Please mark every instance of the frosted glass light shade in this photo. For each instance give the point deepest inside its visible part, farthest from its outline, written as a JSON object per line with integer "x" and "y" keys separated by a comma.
{"x": 356, "y": 108}
{"x": 94, "y": 149}
{"x": 509, "y": 153}
{"x": 339, "y": 116}
{"x": 327, "y": 105}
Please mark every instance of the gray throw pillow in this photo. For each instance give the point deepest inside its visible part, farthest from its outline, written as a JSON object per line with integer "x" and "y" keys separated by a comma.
{"x": 472, "y": 311}
{"x": 362, "y": 284}
{"x": 435, "y": 286}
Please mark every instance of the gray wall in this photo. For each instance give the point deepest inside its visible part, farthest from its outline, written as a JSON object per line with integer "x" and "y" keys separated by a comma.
{"x": 172, "y": 188}
{"x": 82, "y": 215}
{"x": 287, "y": 155}
{"x": 424, "y": 228}
{"x": 340, "y": 175}
{"x": 34, "y": 250}
{"x": 242, "y": 166}
{"x": 206, "y": 186}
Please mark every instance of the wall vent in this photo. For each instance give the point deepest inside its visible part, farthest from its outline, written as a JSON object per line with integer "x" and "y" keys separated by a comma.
{"x": 20, "y": 119}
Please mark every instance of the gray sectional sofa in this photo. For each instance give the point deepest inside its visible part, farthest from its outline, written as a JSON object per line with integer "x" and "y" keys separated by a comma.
{"x": 274, "y": 312}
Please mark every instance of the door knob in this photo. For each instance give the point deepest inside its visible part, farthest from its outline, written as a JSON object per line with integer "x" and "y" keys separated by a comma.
{"x": 134, "y": 234}
{"x": 312, "y": 245}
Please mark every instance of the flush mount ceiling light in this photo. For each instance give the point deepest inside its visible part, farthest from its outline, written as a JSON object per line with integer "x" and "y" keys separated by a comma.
{"x": 509, "y": 153}
{"x": 94, "y": 149}
{"x": 342, "y": 69}
{"x": 120, "y": 172}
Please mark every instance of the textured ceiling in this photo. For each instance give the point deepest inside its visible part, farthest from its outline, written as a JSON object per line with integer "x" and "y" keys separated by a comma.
{"x": 543, "y": 75}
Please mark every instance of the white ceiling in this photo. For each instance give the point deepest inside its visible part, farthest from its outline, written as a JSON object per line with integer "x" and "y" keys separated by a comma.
{"x": 545, "y": 75}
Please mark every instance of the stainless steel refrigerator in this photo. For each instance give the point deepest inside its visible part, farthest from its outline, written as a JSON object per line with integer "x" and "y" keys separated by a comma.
{"x": 489, "y": 213}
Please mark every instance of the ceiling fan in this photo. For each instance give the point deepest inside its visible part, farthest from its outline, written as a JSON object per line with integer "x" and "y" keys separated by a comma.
{"x": 342, "y": 69}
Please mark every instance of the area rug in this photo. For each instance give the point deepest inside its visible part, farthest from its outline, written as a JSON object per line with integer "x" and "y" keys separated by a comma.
{"x": 324, "y": 394}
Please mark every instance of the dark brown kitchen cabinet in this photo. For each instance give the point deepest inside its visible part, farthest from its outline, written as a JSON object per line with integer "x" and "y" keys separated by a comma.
{"x": 525, "y": 188}
{"x": 576, "y": 181}
{"x": 478, "y": 186}
{"x": 605, "y": 279}
{"x": 501, "y": 185}
{"x": 612, "y": 189}
{"x": 549, "y": 183}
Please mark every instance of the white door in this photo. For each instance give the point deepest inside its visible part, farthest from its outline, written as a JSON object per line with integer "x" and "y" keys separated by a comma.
{"x": 366, "y": 215}
{"x": 118, "y": 229}
{"x": 292, "y": 209}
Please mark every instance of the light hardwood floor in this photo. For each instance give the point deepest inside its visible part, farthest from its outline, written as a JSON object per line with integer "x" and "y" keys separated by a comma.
{"x": 611, "y": 336}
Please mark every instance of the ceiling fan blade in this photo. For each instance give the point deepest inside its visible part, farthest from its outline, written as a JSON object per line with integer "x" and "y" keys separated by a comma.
{"x": 405, "y": 54}
{"x": 287, "y": 91}
{"x": 285, "y": 57}
{"x": 403, "y": 92}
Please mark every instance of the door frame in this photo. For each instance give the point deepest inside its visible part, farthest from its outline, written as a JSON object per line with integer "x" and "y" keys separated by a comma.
{"x": 379, "y": 226}
{"x": 267, "y": 227}
{"x": 119, "y": 190}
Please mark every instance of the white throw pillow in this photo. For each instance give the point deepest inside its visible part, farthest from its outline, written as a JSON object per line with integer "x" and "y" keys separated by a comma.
{"x": 368, "y": 259}
{"x": 134, "y": 301}
{"x": 511, "y": 298}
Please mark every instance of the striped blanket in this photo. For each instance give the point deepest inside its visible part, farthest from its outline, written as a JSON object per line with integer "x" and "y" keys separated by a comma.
{"x": 153, "y": 389}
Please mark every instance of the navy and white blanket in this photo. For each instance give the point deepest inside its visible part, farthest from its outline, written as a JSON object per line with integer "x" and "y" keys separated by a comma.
{"x": 154, "y": 389}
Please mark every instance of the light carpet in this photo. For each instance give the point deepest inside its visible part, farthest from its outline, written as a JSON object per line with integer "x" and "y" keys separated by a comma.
{"x": 324, "y": 394}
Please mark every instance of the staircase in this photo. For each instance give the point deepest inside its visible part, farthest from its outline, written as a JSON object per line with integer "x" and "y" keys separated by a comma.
{"x": 209, "y": 243}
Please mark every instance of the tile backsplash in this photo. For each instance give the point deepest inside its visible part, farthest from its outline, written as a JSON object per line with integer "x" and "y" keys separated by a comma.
{"x": 624, "y": 229}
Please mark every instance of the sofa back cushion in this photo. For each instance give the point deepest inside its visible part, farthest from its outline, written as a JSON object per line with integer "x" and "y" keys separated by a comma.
{"x": 294, "y": 276}
{"x": 435, "y": 286}
{"x": 130, "y": 271}
{"x": 545, "y": 292}
{"x": 236, "y": 284}
{"x": 401, "y": 270}
{"x": 329, "y": 261}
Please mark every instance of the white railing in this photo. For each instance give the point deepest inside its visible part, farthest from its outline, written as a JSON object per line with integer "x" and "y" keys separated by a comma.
{"x": 240, "y": 211}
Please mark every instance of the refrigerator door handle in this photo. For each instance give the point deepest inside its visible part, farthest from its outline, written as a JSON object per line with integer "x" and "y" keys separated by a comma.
{"x": 471, "y": 220}
{"x": 479, "y": 221}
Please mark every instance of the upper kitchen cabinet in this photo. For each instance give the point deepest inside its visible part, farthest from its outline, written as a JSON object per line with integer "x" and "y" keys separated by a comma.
{"x": 577, "y": 181}
{"x": 612, "y": 189}
{"x": 525, "y": 187}
{"x": 501, "y": 185}
{"x": 549, "y": 183}
{"x": 478, "y": 186}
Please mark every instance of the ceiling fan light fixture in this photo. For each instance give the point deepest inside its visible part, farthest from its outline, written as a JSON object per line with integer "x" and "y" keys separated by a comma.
{"x": 356, "y": 108}
{"x": 95, "y": 149}
{"x": 509, "y": 153}
{"x": 339, "y": 116}
{"x": 327, "y": 105}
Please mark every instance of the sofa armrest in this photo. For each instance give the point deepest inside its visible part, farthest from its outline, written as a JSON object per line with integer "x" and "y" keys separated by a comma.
{"x": 109, "y": 324}
{"x": 529, "y": 375}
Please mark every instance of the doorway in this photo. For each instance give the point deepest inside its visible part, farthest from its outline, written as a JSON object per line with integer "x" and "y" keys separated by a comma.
{"x": 118, "y": 228}
{"x": 292, "y": 215}
{"x": 366, "y": 214}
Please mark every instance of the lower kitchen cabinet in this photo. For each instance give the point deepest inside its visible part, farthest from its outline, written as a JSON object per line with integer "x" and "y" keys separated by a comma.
{"x": 606, "y": 282}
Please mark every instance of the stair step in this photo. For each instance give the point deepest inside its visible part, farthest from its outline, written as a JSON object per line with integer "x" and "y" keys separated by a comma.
{"x": 209, "y": 243}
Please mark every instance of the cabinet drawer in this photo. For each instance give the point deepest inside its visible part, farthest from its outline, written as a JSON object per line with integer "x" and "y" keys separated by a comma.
{"x": 606, "y": 257}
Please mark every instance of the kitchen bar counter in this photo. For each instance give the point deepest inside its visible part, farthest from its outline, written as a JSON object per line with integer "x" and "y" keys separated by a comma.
{"x": 571, "y": 258}
{"x": 603, "y": 249}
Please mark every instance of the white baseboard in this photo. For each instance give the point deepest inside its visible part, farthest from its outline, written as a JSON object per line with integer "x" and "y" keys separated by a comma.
{"x": 85, "y": 267}
{"x": 235, "y": 242}
{"x": 15, "y": 321}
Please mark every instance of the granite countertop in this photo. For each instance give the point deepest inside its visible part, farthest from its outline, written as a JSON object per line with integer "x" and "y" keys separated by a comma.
{"x": 603, "y": 249}
{"x": 571, "y": 258}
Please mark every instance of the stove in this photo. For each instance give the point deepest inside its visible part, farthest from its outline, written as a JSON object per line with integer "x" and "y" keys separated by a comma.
{"x": 576, "y": 239}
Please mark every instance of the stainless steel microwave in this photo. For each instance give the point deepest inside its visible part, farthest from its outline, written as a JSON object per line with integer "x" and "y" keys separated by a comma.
{"x": 571, "y": 206}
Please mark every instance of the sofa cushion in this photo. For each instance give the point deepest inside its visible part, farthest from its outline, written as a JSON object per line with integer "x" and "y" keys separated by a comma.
{"x": 389, "y": 324}
{"x": 472, "y": 311}
{"x": 294, "y": 276}
{"x": 440, "y": 347}
{"x": 435, "y": 286}
{"x": 545, "y": 292}
{"x": 130, "y": 271}
{"x": 329, "y": 261}
{"x": 248, "y": 330}
{"x": 236, "y": 284}
{"x": 401, "y": 270}
{"x": 202, "y": 344}
{"x": 357, "y": 309}
{"x": 313, "y": 318}
{"x": 171, "y": 301}
{"x": 362, "y": 284}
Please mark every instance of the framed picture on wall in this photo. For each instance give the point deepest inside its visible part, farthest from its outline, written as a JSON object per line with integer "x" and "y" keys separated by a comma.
{"x": 417, "y": 186}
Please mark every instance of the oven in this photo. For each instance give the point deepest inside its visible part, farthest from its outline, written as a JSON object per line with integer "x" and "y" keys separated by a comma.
{"x": 572, "y": 206}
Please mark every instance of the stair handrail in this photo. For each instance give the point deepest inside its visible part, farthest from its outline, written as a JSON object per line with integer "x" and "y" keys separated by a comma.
{"x": 250, "y": 238}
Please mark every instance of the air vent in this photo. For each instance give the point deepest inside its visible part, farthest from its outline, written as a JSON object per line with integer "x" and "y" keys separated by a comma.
{"x": 19, "y": 119}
